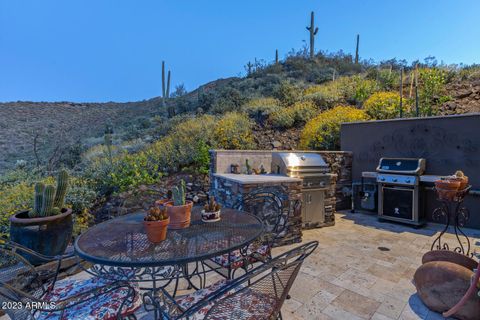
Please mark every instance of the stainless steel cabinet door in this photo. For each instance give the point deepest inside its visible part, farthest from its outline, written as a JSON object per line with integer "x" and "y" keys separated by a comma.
{"x": 313, "y": 211}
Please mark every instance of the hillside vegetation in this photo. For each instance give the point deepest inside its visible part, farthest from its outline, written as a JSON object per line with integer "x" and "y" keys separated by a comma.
{"x": 298, "y": 102}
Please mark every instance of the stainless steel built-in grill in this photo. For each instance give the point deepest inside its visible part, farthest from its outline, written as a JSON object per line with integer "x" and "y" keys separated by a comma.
{"x": 399, "y": 197}
{"x": 316, "y": 176}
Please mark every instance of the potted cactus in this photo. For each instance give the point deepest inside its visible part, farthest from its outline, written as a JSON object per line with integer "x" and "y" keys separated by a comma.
{"x": 179, "y": 210}
{"x": 46, "y": 228}
{"x": 211, "y": 211}
{"x": 156, "y": 222}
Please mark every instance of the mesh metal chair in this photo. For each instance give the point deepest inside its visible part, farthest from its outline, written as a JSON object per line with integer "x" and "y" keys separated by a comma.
{"x": 27, "y": 293}
{"x": 258, "y": 294}
{"x": 273, "y": 208}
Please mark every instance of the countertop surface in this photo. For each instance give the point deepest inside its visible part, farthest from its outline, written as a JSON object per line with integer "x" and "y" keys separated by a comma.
{"x": 256, "y": 178}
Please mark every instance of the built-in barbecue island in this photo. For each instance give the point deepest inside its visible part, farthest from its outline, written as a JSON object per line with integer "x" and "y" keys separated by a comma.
{"x": 298, "y": 183}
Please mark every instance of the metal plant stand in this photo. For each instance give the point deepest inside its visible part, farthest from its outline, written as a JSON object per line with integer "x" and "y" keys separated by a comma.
{"x": 455, "y": 214}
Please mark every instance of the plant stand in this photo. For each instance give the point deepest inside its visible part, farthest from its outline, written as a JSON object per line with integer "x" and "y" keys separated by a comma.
{"x": 455, "y": 214}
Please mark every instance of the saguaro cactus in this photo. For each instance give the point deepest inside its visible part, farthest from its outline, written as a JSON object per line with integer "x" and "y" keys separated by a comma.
{"x": 179, "y": 194}
{"x": 165, "y": 85}
{"x": 38, "y": 200}
{"x": 313, "y": 31}
{"x": 48, "y": 200}
{"x": 356, "y": 49}
{"x": 62, "y": 184}
{"x": 276, "y": 56}
{"x": 401, "y": 92}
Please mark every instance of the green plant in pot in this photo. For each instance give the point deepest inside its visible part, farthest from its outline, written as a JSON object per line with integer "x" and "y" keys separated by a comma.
{"x": 156, "y": 222}
{"x": 46, "y": 228}
{"x": 211, "y": 210}
{"x": 179, "y": 210}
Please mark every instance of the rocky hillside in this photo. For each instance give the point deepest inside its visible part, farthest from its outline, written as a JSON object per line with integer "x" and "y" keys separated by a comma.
{"x": 466, "y": 97}
{"x": 57, "y": 134}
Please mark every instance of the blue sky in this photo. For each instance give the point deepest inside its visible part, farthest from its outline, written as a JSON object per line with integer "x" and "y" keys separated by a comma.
{"x": 111, "y": 50}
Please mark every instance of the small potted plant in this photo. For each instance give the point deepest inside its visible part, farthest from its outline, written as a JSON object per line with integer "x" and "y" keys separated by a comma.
{"x": 156, "y": 222}
{"x": 211, "y": 211}
{"x": 46, "y": 228}
{"x": 162, "y": 202}
{"x": 179, "y": 210}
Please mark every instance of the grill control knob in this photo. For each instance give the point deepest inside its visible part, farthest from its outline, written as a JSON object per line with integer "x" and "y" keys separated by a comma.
{"x": 309, "y": 184}
{"x": 382, "y": 179}
{"x": 394, "y": 179}
{"x": 407, "y": 181}
{"x": 322, "y": 184}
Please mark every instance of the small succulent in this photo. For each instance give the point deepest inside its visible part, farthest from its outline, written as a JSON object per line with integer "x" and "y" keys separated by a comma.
{"x": 212, "y": 205}
{"x": 156, "y": 214}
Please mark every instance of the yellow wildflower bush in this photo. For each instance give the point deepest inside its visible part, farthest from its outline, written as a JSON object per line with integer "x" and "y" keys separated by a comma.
{"x": 383, "y": 105}
{"x": 298, "y": 113}
{"x": 234, "y": 131}
{"x": 323, "y": 131}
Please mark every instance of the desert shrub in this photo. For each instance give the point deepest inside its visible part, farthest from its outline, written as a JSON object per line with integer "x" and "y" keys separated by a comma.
{"x": 229, "y": 99}
{"x": 388, "y": 79}
{"x": 324, "y": 96}
{"x": 297, "y": 114}
{"x": 184, "y": 145}
{"x": 131, "y": 170}
{"x": 382, "y": 105}
{"x": 13, "y": 199}
{"x": 431, "y": 88}
{"x": 471, "y": 72}
{"x": 234, "y": 131}
{"x": 323, "y": 131}
{"x": 303, "y": 111}
{"x": 261, "y": 107}
{"x": 287, "y": 93}
{"x": 282, "y": 119}
{"x": 355, "y": 89}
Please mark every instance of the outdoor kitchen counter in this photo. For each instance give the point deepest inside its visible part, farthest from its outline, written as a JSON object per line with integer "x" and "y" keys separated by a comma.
{"x": 256, "y": 178}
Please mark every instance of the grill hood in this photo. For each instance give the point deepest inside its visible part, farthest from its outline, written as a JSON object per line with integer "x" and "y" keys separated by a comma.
{"x": 298, "y": 163}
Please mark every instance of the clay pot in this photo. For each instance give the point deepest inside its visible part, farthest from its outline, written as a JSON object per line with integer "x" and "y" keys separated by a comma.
{"x": 156, "y": 230}
{"x": 449, "y": 256}
{"x": 441, "y": 284}
{"x": 179, "y": 215}
{"x": 49, "y": 236}
{"x": 447, "y": 189}
{"x": 162, "y": 202}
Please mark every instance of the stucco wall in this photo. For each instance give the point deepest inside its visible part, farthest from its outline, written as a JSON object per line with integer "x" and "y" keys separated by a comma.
{"x": 448, "y": 143}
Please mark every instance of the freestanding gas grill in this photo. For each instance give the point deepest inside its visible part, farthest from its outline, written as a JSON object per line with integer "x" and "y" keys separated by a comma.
{"x": 399, "y": 196}
{"x": 317, "y": 179}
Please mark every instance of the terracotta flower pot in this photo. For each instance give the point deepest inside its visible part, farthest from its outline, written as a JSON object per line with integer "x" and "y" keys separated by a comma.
{"x": 179, "y": 215}
{"x": 162, "y": 202}
{"x": 156, "y": 230}
{"x": 447, "y": 189}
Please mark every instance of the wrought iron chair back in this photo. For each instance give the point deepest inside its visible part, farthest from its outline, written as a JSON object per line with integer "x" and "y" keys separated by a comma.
{"x": 272, "y": 208}
{"x": 258, "y": 294}
{"x": 22, "y": 285}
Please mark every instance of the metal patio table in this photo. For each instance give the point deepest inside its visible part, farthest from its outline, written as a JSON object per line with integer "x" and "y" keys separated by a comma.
{"x": 119, "y": 248}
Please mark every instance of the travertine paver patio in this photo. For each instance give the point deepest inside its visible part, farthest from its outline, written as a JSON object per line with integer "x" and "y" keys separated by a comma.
{"x": 362, "y": 269}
